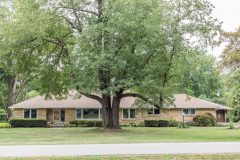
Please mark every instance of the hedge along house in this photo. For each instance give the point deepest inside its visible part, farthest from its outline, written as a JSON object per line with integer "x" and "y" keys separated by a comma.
{"x": 61, "y": 112}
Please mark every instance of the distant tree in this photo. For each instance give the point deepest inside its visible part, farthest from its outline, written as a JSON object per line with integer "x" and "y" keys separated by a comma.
{"x": 231, "y": 65}
{"x": 231, "y": 53}
{"x": 201, "y": 77}
{"x": 29, "y": 39}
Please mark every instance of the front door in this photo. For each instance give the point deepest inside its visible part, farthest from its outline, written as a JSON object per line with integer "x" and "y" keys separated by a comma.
{"x": 58, "y": 116}
{"x": 221, "y": 115}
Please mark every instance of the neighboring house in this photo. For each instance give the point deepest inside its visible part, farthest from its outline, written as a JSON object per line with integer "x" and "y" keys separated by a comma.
{"x": 61, "y": 112}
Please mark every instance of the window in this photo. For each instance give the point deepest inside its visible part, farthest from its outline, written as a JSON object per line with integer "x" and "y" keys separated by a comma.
{"x": 88, "y": 114}
{"x": 129, "y": 113}
{"x": 30, "y": 113}
{"x": 154, "y": 111}
{"x": 79, "y": 113}
{"x": 189, "y": 111}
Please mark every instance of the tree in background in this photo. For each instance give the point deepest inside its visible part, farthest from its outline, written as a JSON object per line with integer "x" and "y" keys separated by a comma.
{"x": 231, "y": 64}
{"x": 201, "y": 77}
{"x": 29, "y": 38}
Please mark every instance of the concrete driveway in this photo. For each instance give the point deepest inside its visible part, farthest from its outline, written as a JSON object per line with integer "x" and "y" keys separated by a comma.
{"x": 119, "y": 149}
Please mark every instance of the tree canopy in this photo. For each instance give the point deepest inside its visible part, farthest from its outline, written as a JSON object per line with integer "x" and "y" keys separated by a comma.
{"x": 231, "y": 65}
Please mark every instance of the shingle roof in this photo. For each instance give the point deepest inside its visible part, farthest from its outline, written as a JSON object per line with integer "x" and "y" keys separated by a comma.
{"x": 181, "y": 101}
{"x": 186, "y": 101}
{"x": 70, "y": 102}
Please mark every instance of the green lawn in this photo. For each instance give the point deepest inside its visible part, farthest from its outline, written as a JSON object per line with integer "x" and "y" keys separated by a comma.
{"x": 145, "y": 157}
{"x": 20, "y": 136}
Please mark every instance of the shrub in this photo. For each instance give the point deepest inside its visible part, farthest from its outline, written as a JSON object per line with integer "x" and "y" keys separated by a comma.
{"x": 173, "y": 123}
{"x": 151, "y": 123}
{"x": 85, "y": 123}
{"x": 133, "y": 124}
{"x": 163, "y": 123}
{"x": 191, "y": 123}
{"x": 234, "y": 115}
{"x": 72, "y": 125}
{"x": 5, "y": 125}
{"x": 3, "y": 115}
{"x": 231, "y": 125}
{"x": 206, "y": 120}
{"x": 183, "y": 125}
{"x": 28, "y": 122}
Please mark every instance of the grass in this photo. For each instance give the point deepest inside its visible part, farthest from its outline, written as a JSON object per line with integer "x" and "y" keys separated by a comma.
{"x": 29, "y": 136}
{"x": 145, "y": 157}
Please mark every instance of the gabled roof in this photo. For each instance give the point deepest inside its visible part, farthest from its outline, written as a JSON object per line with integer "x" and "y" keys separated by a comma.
{"x": 181, "y": 101}
{"x": 186, "y": 101}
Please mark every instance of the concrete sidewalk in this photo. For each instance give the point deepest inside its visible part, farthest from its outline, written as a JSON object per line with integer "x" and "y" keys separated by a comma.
{"x": 119, "y": 149}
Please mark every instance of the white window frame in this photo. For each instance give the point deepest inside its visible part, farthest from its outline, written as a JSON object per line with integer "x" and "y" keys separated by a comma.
{"x": 99, "y": 114}
{"x": 189, "y": 111}
{"x": 30, "y": 113}
{"x": 153, "y": 113}
{"x": 129, "y": 117}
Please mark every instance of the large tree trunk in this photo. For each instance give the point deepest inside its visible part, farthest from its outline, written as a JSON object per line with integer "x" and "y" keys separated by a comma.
{"x": 115, "y": 112}
{"x": 11, "y": 81}
{"x": 110, "y": 112}
{"x": 107, "y": 112}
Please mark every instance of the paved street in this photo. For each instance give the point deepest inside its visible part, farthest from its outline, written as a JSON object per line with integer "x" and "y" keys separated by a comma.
{"x": 119, "y": 149}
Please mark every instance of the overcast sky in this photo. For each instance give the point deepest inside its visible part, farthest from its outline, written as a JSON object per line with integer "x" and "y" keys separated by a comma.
{"x": 227, "y": 11}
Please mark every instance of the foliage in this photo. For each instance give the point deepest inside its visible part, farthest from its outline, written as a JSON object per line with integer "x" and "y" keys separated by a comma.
{"x": 160, "y": 123}
{"x": 231, "y": 125}
{"x": 151, "y": 123}
{"x": 206, "y": 120}
{"x": 231, "y": 53}
{"x": 183, "y": 125}
{"x": 132, "y": 124}
{"x": 3, "y": 115}
{"x": 30, "y": 36}
{"x": 202, "y": 77}
{"x": 5, "y": 125}
{"x": 173, "y": 123}
{"x": 191, "y": 123}
{"x": 234, "y": 115}
{"x": 28, "y": 122}
{"x": 231, "y": 63}
{"x": 233, "y": 95}
{"x": 85, "y": 123}
{"x": 163, "y": 123}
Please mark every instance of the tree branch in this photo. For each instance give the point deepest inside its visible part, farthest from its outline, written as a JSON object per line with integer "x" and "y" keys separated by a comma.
{"x": 92, "y": 96}
{"x": 140, "y": 97}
